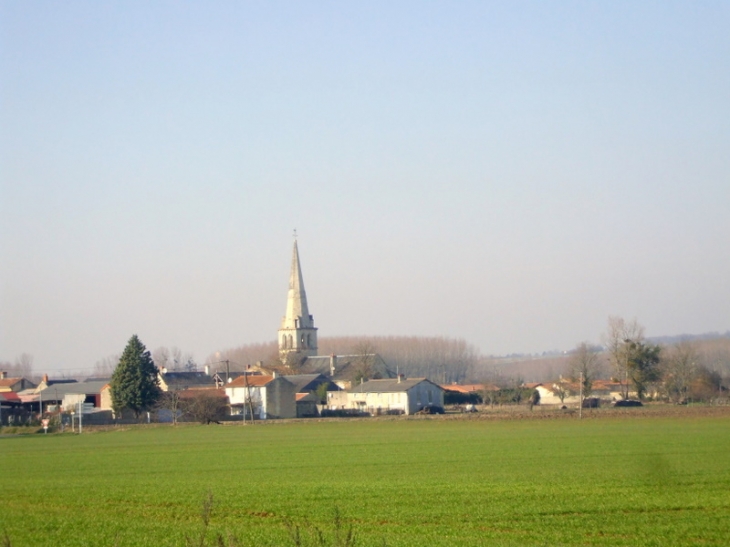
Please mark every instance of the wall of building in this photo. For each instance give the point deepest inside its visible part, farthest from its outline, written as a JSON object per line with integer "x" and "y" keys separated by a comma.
{"x": 280, "y": 399}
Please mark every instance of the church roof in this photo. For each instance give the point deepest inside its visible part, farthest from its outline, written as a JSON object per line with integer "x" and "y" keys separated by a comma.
{"x": 347, "y": 367}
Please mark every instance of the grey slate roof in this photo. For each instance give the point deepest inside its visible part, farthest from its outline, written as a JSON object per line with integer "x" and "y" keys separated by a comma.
{"x": 183, "y": 380}
{"x": 56, "y": 392}
{"x": 346, "y": 366}
{"x": 304, "y": 383}
{"x": 389, "y": 385}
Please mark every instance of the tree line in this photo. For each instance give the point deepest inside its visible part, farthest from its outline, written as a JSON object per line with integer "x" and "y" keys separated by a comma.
{"x": 440, "y": 358}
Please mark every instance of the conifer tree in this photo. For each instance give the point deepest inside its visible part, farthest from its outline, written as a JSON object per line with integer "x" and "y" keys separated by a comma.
{"x": 134, "y": 383}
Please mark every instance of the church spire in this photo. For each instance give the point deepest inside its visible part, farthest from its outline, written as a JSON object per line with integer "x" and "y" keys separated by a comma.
{"x": 297, "y": 310}
{"x": 297, "y": 334}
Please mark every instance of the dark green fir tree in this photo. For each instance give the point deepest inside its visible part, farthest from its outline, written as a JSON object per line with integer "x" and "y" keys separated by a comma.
{"x": 135, "y": 384}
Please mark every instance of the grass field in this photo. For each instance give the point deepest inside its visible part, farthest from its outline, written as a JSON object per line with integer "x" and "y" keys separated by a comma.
{"x": 615, "y": 481}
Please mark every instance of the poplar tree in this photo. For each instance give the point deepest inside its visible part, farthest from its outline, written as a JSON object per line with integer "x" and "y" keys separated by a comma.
{"x": 135, "y": 384}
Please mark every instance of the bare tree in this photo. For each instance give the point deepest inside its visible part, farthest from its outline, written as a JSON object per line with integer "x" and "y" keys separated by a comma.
{"x": 584, "y": 367}
{"x": 206, "y": 407}
{"x": 248, "y": 354}
{"x": 23, "y": 365}
{"x": 174, "y": 359}
{"x": 171, "y": 402}
{"x": 679, "y": 368}
{"x": 22, "y": 368}
{"x": 161, "y": 357}
{"x": 562, "y": 390}
{"x": 104, "y": 368}
{"x": 363, "y": 363}
{"x": 621, "y": 336}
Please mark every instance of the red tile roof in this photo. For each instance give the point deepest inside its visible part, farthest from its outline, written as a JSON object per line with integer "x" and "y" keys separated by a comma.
{"x": 10, "y": 397}
{"x": 9, "y": 382}
{"x": 469, "y": 388}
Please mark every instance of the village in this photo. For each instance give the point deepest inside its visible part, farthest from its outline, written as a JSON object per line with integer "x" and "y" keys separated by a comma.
{"x": 300, "y": 384}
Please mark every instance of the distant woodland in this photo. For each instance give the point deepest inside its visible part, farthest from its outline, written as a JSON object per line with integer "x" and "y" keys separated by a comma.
{"x": 449, "y": 360}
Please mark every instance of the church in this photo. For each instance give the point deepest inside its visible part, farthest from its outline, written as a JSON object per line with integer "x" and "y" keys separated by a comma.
{"x": 363, "y": 383}
{"x": 297, "y": 338}
{"x": 297, "y": 334}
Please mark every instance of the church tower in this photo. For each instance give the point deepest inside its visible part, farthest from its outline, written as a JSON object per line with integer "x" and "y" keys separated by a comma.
{"x": 297, "y": 335}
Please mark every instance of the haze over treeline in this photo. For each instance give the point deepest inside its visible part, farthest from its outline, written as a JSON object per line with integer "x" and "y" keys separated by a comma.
{"x": 448, "y": 360}
{"x": 440, "y": 358}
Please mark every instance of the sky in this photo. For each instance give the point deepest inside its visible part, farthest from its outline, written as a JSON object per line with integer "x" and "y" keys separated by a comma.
{"x": 509, "y": 173}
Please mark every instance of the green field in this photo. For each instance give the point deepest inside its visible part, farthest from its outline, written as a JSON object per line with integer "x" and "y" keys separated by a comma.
{"x": 615, "y": 481}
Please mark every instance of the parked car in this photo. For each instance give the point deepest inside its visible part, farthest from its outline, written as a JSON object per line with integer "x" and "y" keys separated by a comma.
{"x": 628, "y": 402}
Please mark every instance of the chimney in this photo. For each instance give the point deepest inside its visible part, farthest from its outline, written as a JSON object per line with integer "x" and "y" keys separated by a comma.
{"x": 3, "y": 375}
{"x": 45, "y": 378}
{"x": 273, "y": 374}
{"x": 207, "y": 370}
{"x": 333, "y": 364}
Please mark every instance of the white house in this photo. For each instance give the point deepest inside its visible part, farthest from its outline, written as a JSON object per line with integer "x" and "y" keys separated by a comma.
{"x": 392, "y": 395}
{"x": 269, "y": 396}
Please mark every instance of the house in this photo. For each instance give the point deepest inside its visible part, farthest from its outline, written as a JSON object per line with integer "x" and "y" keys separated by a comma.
{"x": 305, "y": 388}
{"x": 550, "y": 393}
{"x": 14, "y": 384}
{"x": 392, "y": 395}
{"x": 605, "y": 390}
{"x": 220, "y": 379}
{"x": 268, "y": 396}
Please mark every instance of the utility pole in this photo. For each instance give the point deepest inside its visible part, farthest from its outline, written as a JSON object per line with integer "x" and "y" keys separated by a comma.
{"x": 81, "y": 413}
{"x": 580, "y": 401}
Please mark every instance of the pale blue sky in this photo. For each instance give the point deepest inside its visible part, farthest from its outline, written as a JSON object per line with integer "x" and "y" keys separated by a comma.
{"x": 511, "y": 173}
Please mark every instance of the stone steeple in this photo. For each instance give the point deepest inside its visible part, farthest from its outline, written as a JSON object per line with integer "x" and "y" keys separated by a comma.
{"x": 297, "y": 335}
